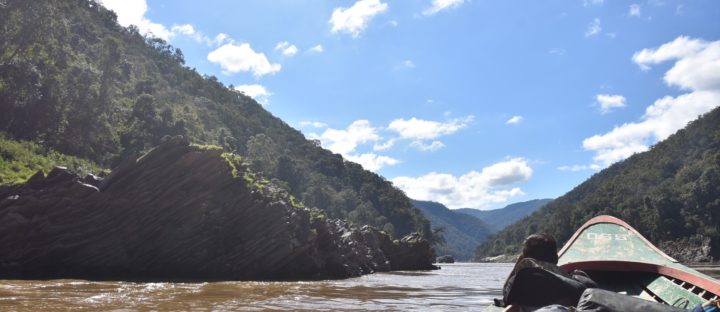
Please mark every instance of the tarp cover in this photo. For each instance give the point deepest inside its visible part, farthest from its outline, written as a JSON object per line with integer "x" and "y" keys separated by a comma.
{"x": 599, "y": 300}
{"x": 537, "y": 283}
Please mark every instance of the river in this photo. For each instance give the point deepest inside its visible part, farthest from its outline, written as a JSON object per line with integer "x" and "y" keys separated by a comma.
{"x": 455, "y": 287}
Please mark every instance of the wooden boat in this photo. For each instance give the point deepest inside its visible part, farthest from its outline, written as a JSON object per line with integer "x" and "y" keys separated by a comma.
{"x": 619, "y": 259}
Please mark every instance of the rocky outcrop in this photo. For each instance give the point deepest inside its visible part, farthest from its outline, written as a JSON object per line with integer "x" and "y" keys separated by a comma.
{"x": 689, "y": 250}
{"x": 182, "y": 212}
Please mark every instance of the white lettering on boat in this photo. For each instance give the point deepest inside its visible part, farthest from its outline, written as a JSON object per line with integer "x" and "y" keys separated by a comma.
{"x": 606, "y": 236}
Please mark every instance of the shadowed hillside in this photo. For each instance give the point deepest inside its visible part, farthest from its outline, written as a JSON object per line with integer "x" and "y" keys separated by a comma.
{"x": 462, "y": 233}
{"x": 73, "y": 81}
{"x": 671, "y": 194}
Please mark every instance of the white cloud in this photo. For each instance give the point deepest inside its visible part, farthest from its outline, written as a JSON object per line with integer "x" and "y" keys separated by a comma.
{"x": 314, "y": 124}
{"x": 634, "y": 9}
{"x": 696, "y": 68}
{"x": 514, "y": 120}
{"x": 286, "y": 48}
{"x": 677, "y": 49}
{"x": 236, "y": 58}
{"x": 394, "y": 23}
{"x": 493, "y": 184}
{"x": 255, "y": 91}
{"x": 439, "y": 5}
{"x": 384, "y": 146}
{"x": 345, "y": 141}
{"x": 422, "y": 146}
{"x": 609, "y": 102}
{"x": 594, "y": 28}
{"x": 408, "y": 64}
{"x": 419, "y": 129}
{"x": 132, "y": 12}
{"x": 354, "y": 20}
{"x": 373, "y": 162}
{"x": 316, "y": 49}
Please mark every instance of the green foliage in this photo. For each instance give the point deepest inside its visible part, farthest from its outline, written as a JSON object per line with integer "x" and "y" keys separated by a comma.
{"x": 20, "y": 160}
{"x": 668, "y": 193}
{"x": 73, "y": 79}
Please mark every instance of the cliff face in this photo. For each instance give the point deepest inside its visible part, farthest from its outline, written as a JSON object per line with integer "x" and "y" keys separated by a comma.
{"x": 181, "y": 212}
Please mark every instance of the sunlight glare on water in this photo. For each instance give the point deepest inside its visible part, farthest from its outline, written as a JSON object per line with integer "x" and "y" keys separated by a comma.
{"x": 456, "y": 287}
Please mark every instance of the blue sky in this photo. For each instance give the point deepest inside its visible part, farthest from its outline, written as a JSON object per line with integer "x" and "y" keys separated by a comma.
{"x": 470, "y": 103}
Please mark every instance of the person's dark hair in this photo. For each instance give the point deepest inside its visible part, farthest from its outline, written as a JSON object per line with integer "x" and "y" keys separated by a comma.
{"x": 540, "y": 247}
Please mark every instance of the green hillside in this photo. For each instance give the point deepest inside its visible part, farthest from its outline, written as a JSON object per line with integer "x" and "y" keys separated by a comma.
{"x": 74, "y": 81}
{"x": 462, "y": 233}
{"x": 498, "y": 219}
{"x": 671, "y": 194}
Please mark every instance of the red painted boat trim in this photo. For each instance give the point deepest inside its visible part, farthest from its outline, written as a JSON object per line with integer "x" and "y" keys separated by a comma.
{"x": 616, "y": 221}
{"x": 625, "y": 266}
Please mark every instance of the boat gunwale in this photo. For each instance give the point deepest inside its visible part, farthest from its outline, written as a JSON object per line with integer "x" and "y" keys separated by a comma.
{"x": 707, "y": 284}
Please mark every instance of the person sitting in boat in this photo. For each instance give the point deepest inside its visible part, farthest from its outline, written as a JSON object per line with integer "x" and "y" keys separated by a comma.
{"x": 536, "y": 280}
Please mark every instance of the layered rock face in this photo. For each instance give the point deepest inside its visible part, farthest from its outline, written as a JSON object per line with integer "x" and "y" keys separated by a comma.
{"x": 182, "y": 212}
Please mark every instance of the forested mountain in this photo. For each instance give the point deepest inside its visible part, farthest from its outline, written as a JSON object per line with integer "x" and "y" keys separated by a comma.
{"x": 498, "y": 219}
{"x": 462, "y": 232}
{"x": 74, "y": 81}
{"x": 671, "y": 194}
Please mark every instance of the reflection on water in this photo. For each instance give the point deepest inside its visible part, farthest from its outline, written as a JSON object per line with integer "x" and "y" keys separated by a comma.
{"x": 456, "y": 287}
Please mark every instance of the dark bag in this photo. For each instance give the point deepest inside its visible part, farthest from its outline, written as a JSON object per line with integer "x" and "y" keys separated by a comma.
{"x": 599, "y": 300}
{"x": 537, "y": 283}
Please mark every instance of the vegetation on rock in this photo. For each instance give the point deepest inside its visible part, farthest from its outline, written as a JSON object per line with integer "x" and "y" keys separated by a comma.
{"x": 73, "y": 80}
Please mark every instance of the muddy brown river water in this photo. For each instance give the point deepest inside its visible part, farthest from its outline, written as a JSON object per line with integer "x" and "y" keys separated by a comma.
{"x": 456, "y": 287}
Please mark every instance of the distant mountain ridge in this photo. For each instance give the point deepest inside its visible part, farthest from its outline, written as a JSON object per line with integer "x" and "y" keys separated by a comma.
{"x": 462, "y": 232}
{"x": 498, "y": 219}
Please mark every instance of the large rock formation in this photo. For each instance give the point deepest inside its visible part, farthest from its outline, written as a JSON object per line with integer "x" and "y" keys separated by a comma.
{"x": 183, "y": 212}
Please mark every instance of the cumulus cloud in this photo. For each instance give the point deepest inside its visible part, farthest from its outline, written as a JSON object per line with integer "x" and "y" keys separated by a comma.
{"x": 354, "y": 20}
{"x": 440, "y": 5}
{"x": 634, "y": 10}
{"x": 493, "y": 184}
{"x": 609, "y": 102}
{"x": 514, "y": 120}
{"x": 414, "y": 128}
{"x": 132, "y": 12}
{"x": 234, "y": 58}
{"x": 286, "y": 48}
{"x": 677, "y": 49}
{"x": 696, "y": 69}
{"x": 316, "y": 49}
{"x": 255, "y": 91}
{"x": 373, "y": 162}
{"x": 419, "y": 130}
{"x": 594, "y": 28}
{"x": 346, "y": 141}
